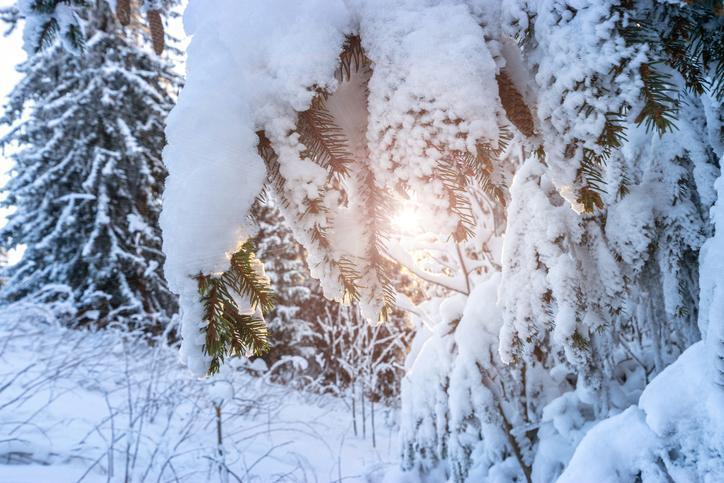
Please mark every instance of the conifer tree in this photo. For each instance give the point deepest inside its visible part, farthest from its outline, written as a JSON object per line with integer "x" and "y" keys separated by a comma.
{"x": 387, "y": 126}
{"x": 88, "y": 176}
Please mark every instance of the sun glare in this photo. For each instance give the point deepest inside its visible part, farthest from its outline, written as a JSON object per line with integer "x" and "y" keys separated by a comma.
{"x": 406, "y": 220}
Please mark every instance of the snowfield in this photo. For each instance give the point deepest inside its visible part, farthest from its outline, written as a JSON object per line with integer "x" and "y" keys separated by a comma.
{"x": 97, "y": 406}
{"x": 82, "y": 406}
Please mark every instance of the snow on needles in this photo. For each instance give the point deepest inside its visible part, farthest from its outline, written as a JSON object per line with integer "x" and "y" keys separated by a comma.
{"x": 255, "y": 65}
{"x": 712, "y": 295}
{"x": 670, "y": 433}
{"x": 261, "y": 71}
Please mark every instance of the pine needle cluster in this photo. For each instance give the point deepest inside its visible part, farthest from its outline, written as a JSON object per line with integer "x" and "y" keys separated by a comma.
{"x": 50, "y": 29}
{"x": 232, "y": 330}
{"x": 346, "y": 270}
{"x": 687, "y": 39}
{"x": 326, "y": 144}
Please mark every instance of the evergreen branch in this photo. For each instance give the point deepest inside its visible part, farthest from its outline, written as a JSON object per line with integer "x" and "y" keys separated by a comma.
{"x": 450, "y": 170}
{"x": 74, "y": 36}
{"x": 51, "y": 29}
{"x": 352, "y": 58}
{"x": 378, "y": 206}
{"x": 349, "y": 278}
{"x": 248, "y": 332}
{"x": 613, "y": 134}
{"x": 590, "y": 172}
{"x": 326, "y": 144}
{"x": 456, "y": 170}
{"x": 243, "y": 276}
{"x": 47, "y": 35}
{"x": 324, "y": 140}
{"x": 11, "y": 17}
{"x": 347, "y": 275}
{"x": 228, "y": 332}
{"x": 271, "y": 160}
{"x": 45, "y": 6}
{"x": 660, "y": 108}
{"x": 484, "y": 165}
{"x": 688, "y": 36}
{"x": 682, "y": 44}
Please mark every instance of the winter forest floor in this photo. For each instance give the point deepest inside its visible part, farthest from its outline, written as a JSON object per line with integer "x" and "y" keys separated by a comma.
{"x": 101, "y": 406}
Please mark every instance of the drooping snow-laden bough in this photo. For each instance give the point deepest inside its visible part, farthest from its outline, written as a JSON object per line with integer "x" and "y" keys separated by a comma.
{"x": 564, "y": 151}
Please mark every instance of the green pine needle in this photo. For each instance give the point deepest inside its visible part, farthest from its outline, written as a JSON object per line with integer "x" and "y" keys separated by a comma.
{"x": 230, "y": 333}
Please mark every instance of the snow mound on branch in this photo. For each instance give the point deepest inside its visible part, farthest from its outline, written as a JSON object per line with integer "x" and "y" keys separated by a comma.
{"x": 254, "y": 66}
{"x": 247, "y": 69}
{"x": 670, "y": 434}
{"x": 432, "y": 85}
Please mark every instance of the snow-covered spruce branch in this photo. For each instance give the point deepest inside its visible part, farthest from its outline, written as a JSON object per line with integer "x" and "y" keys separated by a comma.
{"x": 234, "y": 326}
{"x": 47, "y": 21}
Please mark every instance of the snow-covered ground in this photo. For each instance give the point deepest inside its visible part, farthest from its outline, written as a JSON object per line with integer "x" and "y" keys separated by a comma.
{"x": 97, "y": 406}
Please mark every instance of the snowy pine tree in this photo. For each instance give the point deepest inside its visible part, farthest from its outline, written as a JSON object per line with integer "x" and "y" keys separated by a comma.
{"x": 88, "y": 177}
{"x": 49, "y": 20}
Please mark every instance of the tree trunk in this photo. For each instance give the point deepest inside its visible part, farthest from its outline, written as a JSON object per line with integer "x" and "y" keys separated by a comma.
{"x": 364, "y": 415}
{"x": 354, "y": 409}
{"x": 372, "y": 422}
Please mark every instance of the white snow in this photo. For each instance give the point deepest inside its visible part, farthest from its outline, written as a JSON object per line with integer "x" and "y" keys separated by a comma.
{"x": 262, "y": 70}
{"x": 711, "y": 322}
{"x": 675, "y": 430}
{"x": 92, "y": 406}
{"x": 554, "y": 330}
{"x": 433, "y": 90}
